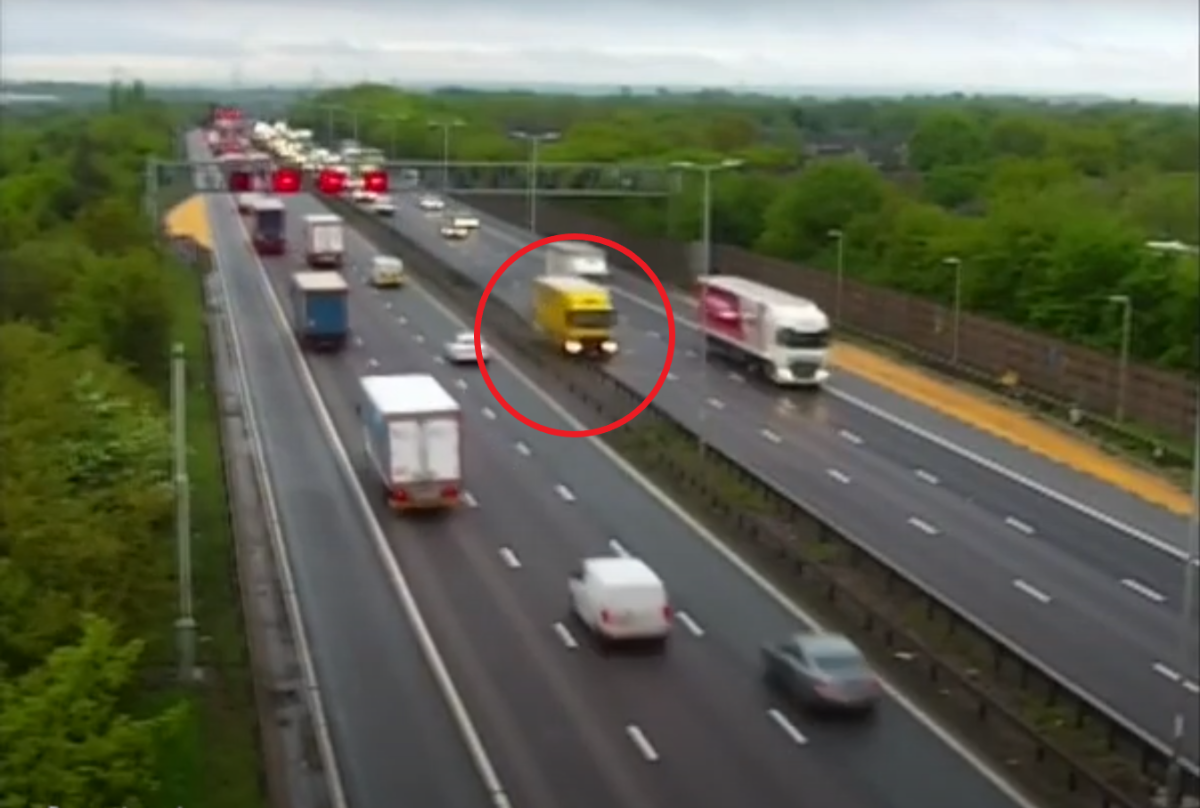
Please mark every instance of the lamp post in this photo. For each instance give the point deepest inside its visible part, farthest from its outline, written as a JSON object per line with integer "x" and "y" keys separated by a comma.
{"x": 185, "y": 623}
{"x": 956, "y": 313}
{"x": 840, "y": 237}
{"x": 330, "y": 110}
{"x": 535, "y": 141}
{"x": 446, "y": 127}
{"x": 706, "y": 170}
{"x": 1126, "y": 305}
{"x": 394, "y": 121}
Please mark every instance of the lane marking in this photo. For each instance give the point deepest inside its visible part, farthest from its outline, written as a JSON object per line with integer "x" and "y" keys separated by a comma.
{"x": 619, "y": 549}
{"x": 564, "y": 492}
{"x": 373, "y": 362}
{"x": 771, "y": 436}
{"x": 522, "y": 449}
{"x": 510, "y": 558}
{"x": 923, "y": 526}
{"x": 642, "y": 743}
{"x": 419, "y": 338}
{"x": 461, "y": 384}
{"x": 469, "y": 500}
{"x": 489, "y": 414}
{"x": 672, "y": 376}
{"x": 850, "y": 436}
{"x": 387, "y": 304}
{"x": 735, "y": 377}
{"x": 926, "y": 476}
{"x": 787, "y": 726}
{"x": 689, "y": 623}
{"x": 1032, "y": 591}
{"x": 402, "y": 319}
{"x": 1018, "y": 525}
{"x": 716, "y": 403}
{"x": 841, "y": 477}
{"x": 1143, "y": 590}
{"x": 652, "y": 334}
{"x": 358, "y": 343}
{"x": 565, "y": 636}
{"x": 439, "y": 360}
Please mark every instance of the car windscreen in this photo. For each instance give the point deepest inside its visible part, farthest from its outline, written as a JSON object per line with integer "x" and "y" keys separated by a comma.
{"x": 839, "y": 662}
{"x": 592, "y": 319}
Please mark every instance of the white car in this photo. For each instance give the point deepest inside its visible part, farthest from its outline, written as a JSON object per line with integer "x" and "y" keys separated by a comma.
{"x": 362, "y": 196}
{"x": 431, "y": 203}
{"x": 461, "y": 349}
{"x": 466, "y": 222}
{"x": 450, "y": 231}
{"x": 384, "y": 205}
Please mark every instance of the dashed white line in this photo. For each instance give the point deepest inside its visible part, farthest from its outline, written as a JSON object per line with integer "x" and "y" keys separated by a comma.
{"x": 564, "y": 492}
{"x": 387, "y": 304}
{"x": 850, "y": 436}
{"x": 461, "y": 384}
{"x": 923, "y": 526}
{"x": 618, "y": 548}
{"x": 522, "y": 448}
{"x": 736, "y": 377}
{"x": 789, "y": 729}
{"x": 1018, "y": 525}
{"x": 689, "y": 623}
{"x": 771, "y": 436}
{"x": 510, "y": 558}
{"x": 489, "y": 414}
{"x": 652, "y": 334}
{"x": 439, "y": 360}
{"x": 1172, "y": 675}
{"x": 841, "y": 477}
{"x": 1143, "y": 590}
{"x": 419, "y": 338}
{"x": 373, "y": 362}
{"x": 565, "y": 636}
{"x": 924, "y": 475}
{"x": 642, "y": 743}
{"x": 402, "y": 320}
{"x": 716, "y": 403}
{"x": 691, "y": 353}
{"x": 469, "y": 500}
{"x": 1032, "y": 591}
{"x": 358, "y": 343}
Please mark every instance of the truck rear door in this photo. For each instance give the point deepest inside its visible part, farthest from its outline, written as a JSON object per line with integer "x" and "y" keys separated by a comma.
{"x": 327, "y": 239}
{"x": 442, "y": 448}
{"x": 404, "y": 450}
{"x": 326, "y": 312}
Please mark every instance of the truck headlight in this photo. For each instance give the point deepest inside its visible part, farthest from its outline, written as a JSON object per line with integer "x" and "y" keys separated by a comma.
{"x": 608, "y": 346}
{"x": 572, "y": 347}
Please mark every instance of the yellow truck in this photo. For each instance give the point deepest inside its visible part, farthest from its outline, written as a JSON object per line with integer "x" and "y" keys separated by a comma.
{"x": 576, "y": 314}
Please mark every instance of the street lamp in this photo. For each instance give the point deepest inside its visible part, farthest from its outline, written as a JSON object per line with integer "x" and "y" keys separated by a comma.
{"x": 706, "y": 170}
{"x": 395, "y": 121}
{"x": 535, "y": 140}
{"x": 956, "y": 314}
{"x": 446, "y": 128}
{"x": 840, "y": 237}
{"x": 1126, "y": 332}
{"x": 330, "y": 109}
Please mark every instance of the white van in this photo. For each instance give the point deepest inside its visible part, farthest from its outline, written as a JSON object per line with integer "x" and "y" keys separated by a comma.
{"x": 620, "y": 599}
{"x": 387, "y": 271}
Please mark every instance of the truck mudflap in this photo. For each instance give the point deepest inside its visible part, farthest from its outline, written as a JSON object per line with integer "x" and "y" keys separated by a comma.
{"x": 424, "y": 496}
{"x": 322, "y": 342}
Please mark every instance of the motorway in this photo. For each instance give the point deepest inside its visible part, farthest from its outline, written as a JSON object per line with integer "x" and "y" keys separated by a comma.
{"x": 1071, "y": 585}
{"x": 564, "y": 724}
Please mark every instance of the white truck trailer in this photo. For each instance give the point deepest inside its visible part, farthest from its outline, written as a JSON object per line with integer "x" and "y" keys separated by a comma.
{"x": 580, "y": 259}
{"x": 412, "y": 431}
{"x": 781, "y": 336}
{"x": 324, "y": 240}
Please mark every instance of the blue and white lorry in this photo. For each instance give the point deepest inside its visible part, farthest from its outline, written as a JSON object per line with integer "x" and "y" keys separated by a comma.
{"x": 412, "y": 435}
{"x": 320, "y": 310}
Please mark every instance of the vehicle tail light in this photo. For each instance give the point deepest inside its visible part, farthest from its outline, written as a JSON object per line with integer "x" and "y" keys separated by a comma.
{"x": 399, "y": 495}
{"x": 331, "y": 182}
{"x": 668, "y": 613}
{"x": 450, "y": 492}
{"x": 375, "y": 181}
{"x": 240, "y": 182}
{"x": 605, "y": 616}
{"x": 286, "y": 181}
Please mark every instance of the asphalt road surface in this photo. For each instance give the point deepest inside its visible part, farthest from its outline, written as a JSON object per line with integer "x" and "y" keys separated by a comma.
{"x": 564, "y": 724}
{"x": 1067, "y": 583}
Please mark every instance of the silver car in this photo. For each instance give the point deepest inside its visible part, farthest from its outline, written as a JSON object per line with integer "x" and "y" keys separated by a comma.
{"x": 821, "y": 671}
{"x": 461, "y": 349}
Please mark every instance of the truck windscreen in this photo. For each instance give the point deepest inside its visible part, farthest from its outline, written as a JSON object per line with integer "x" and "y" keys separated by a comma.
{"x": 791, "y": 338}
{"x": 592, "y": 319}
{"x": 270, "y": 222}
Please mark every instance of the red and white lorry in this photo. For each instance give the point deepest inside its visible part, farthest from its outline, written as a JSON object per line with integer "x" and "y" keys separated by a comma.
{"x": 412, "y": 431}
{"x": 781, "y": 336}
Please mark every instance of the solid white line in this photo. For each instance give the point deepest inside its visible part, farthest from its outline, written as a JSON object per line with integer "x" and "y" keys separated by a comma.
{"x": 771, "y": 436}
{"x": 850, "y": 436}
{"x": 522, "y": 449}
{"x": 690, "y": 624}
{"x": 400, "y": 585}
{"x": 565, "y": 636}
{"x": 841, "y": 477}
{"x": 619, "y": 549}
{"x": 1018, "y": 525}
{"x": 489, "y": 413}
{"x": 1143, "y": 590}
{"x": 510, "y": 558}
{"x": 1032, "y": 591}
{"x": 787, "y": 726}
{"x": 469, "y": 500}
{"x": 923, "y": 526}
{"x": 564, "y": 492}
{"x": 642, "y": 743}
{"x": 926, "y": 476}
{"x": 716, "y": 403}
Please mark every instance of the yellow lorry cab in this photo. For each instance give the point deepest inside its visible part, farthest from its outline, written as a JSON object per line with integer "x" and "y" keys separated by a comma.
{"x": 576, "y": 314}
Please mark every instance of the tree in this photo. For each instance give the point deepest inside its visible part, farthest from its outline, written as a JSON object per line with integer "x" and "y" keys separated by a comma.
{"x": 64, "y": 737}
{"x": 946, "y": 138}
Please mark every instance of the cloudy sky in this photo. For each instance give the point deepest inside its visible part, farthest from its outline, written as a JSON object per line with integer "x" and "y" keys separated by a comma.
{"x": 1141, "y": 48}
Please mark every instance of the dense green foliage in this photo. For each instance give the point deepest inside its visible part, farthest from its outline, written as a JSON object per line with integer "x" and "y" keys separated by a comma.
{"x": 86, "y": 591}
{"x": 1048, "y": 206}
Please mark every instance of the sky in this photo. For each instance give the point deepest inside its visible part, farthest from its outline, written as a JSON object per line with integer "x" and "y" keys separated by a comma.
{"x": 1125, "y": 48}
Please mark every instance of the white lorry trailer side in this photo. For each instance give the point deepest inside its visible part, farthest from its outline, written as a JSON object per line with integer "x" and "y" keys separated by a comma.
{"x": 324, "y": 240}
{"x": 580, "y": 259}
{"x": 781, "y": 336}
{"x": 412, "y": 431}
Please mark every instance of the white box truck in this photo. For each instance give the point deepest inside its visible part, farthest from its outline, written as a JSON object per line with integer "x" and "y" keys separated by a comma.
{"x": 412, "y": 432}
{"x": 324, "y": 240}
{"x": 781, "y": 336}
{"x": 580, "y": 259}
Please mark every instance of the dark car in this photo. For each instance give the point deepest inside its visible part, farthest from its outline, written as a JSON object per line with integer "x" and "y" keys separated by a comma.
{"x": 821, "y": 671}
